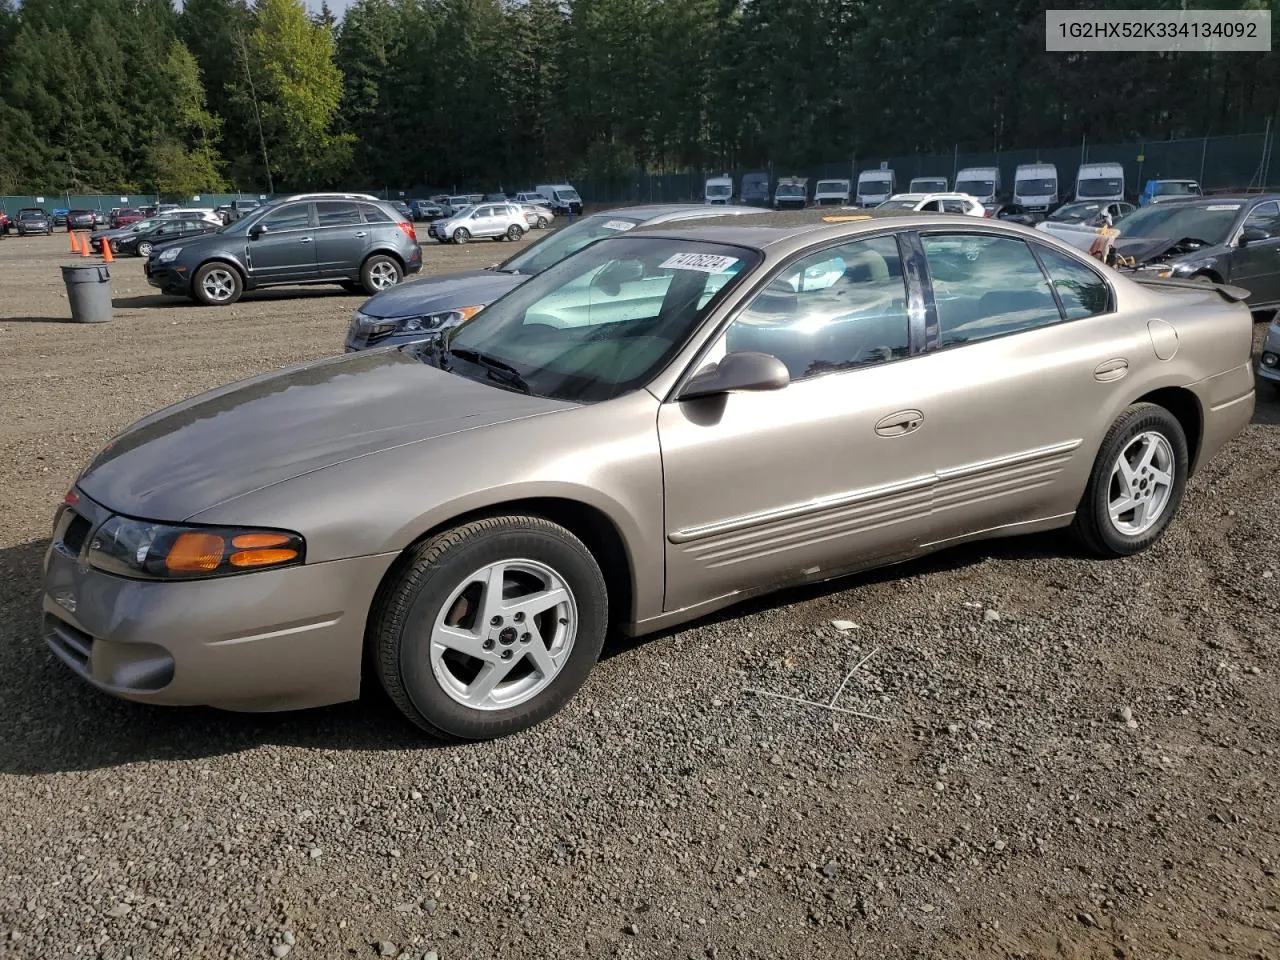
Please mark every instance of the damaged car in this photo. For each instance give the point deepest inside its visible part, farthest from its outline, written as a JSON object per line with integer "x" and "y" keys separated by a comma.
{"x": 1218, "y": 239}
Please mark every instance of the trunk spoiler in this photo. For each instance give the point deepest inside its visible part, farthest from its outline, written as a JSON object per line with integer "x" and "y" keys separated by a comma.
{"x": 1231, "y": 294}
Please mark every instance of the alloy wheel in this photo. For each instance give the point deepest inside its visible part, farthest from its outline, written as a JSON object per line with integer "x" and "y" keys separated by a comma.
{"x": 382, "y": 275}
{"x": 218, "y": 285}
{"x": 1142, "y": 481}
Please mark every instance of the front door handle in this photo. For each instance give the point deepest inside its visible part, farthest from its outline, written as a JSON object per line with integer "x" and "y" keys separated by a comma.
{"x": 900, "y": 423}
{"x": 362, "y": 233}
{"x": 1110, "y": 370}
{"x": 304, "y": 239}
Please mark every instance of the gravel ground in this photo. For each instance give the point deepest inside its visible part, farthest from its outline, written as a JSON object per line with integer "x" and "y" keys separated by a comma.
{"x": 1069, "y": 758}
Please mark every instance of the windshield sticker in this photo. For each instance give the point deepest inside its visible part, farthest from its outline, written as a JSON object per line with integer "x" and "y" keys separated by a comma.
{"x": 618, "y": 224}
{"x": 701, "y": 262}
{"x": 1223, "y": 206}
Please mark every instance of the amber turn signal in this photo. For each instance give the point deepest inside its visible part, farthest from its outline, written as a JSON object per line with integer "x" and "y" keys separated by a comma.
{"x": 263, "y": 557}
{"x": 194, "y": 553}
{"x": 251, "y": 541}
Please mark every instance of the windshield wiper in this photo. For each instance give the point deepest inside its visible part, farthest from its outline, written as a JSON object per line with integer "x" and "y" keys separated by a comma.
{"x": 499, "y": 370}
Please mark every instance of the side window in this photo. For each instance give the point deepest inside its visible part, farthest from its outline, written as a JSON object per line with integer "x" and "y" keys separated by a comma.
{"x": 836, "y": 309}
{"x": 373, "y": 214}
{"x": 293, "y": 217}
{"x": 332, "y": 213}
{"x": 986, "y": 287}
{"x": 1266, "y": 216}
{"x": 953, "y": 206}
{"x": 1083, "y": 293}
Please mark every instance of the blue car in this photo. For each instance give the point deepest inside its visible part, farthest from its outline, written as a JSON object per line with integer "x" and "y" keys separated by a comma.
{"x": 1157, "y": 190}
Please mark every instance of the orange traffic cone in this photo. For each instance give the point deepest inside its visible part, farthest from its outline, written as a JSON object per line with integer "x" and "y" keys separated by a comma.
{"x": 75, "y": 241}
{"x": 84, "y": 247}
{"x": 107, "y": 256}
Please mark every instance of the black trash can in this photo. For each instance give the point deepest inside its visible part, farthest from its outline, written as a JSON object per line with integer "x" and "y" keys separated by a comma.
{"x": 88, "y": 291}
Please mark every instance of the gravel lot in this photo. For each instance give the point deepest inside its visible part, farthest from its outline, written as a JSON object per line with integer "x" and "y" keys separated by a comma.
{"x": 1073, "y": 758}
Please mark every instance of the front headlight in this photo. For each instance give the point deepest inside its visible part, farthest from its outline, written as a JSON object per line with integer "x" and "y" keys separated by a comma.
{"x": 169, "y": 255}
{"x": 157, "y": 551}
{"x": 434, "y": 321}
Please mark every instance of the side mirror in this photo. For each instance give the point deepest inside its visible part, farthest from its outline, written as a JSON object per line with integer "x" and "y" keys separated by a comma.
{"x": 1253, "y": 235}
{"x": 257, "y": 230}
{"x": 738, "y": 371}
{"x": 612, "y": 277}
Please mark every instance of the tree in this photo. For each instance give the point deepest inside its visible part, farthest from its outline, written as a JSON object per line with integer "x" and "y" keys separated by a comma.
{"x": 293, "y": 85}
{"x": 186, "y": 160}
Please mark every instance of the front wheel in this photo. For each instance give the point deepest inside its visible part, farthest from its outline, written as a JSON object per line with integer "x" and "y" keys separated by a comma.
{"x": 489, "y": 628}
{"x": 217, "y": 285}
{"x": 379, "y": 273}
{"x": 514, "y": 232}
{"x": 1136, "y": 485}
{"x": 461, "y": 235}
{"x": 144, "y": 249}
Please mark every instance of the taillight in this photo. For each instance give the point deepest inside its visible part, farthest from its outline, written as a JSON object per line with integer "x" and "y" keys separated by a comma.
{"x": 986, "y": 213}
{"x": 409, "y": 232}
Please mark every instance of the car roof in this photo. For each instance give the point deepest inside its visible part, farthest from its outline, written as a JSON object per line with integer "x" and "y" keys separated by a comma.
{"x": 1221, "y": 198}
{"x": 660, "y": 212}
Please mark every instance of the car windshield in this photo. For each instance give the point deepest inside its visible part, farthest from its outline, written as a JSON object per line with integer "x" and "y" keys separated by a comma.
{"x": 554, "y": 247}
{"x": 568, "y": 196}
{"x": 873, "y": 187}
{"x": 598, "y": 324}
{"x": 1075, "y": 212}
{"x": 1209, "y": 222}
{"x": 976, "y": 188}
{"x": 1100, "y": 187}
{"x": 1035, "y": 188}
{"x": 790, "y": 190}
{"x": 1175, "y": 188}
{"x": 718, "y": 190}
{"x": 929, "y": 186}
{"x": 129, "y": 212}
{"x": 831, "y": 186}
{"x": 31, "y": 214}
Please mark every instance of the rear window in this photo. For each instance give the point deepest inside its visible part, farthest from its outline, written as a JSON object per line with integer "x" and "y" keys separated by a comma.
{"x": 332, "y": 213}
{"x": 374, "y": 214}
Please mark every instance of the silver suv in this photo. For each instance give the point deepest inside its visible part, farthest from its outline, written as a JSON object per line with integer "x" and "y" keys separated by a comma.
{"x": 501, "y": 221}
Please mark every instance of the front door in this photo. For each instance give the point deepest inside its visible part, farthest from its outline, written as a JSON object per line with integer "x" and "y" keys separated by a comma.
{"x": 1256, "y": 266}
{"x": 341, "y": 238}
{"x": 832, "y": 472}
{"x": 286, "y": 249}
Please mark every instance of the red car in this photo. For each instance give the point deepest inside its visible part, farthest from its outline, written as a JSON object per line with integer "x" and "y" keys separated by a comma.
{"x": 125, "y": 216}
{"x": 4, "y": 223}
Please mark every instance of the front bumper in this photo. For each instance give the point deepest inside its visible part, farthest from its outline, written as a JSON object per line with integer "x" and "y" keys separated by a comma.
{"x": 272, "y": 640}
{"x": 171, "y": 278}
{"x": 1270, "y": 352}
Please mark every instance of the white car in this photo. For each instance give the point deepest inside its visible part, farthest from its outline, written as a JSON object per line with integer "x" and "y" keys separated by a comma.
{"x": 191, "y": 213}
{"x": 500, "y": 221}
{"x": 537, "y": 215}
{"x": 961, "y": 203}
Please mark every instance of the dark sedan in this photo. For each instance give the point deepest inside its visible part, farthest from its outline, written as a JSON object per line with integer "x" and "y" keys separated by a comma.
{"x": 79, "y": 220}
{"x": 140, "y": 243}
{"x": 1221, "y": 239}
{"x": 422, "y": 309}
{"x": 34, "y": 220}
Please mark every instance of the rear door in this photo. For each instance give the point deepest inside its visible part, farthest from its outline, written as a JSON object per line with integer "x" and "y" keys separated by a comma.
{"x": 341, "y": 238}
{"x": 1019, "y": 376}
{"x": 286, "y": 250}
{"x": 1256, "y": 266}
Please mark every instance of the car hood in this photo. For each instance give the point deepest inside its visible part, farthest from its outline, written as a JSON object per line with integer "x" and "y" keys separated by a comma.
{"x": 248, "y": 435}
{"x": 434, "y": 294}
{"x": 1165, "y": 249}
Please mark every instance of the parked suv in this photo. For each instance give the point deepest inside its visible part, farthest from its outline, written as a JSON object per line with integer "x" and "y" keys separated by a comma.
{"x": 79, "y": 220}
{"x": 500, "y": 221}
{"x": 32, "y": 220}
{"x": 353, "y": 240}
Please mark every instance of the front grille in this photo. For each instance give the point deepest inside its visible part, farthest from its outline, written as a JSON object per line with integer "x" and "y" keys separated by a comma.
{"x": 74, "y": 645}
{"x": 378, "y": 332}
{"x": 76, "y": 533}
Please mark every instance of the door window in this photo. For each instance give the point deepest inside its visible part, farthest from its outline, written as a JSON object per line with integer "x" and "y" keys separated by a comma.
{"x": 331, "y": 213}
{"x": 1083, "y": 293}
{"x": 295, "y": 217}
{"x": 1265, "y": 216}
{"x": 373, "y": 214}
{"x": 986, "y": 287}
{"x": 953, "y": 206}
{"x": 836, "y": 309}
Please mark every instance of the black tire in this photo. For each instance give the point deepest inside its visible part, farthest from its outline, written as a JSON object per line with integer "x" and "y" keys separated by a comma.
{"x": 542, "y": 223}
{"x": 461, "y": 235}
{"x": 201, "y": 296}
{"x": 387, "y": 265}
{"x": 514, "y": 232}
{"x": 144, "y": 249}
{"x": 411, "y": 599}
{"x": 1093, "y": 525}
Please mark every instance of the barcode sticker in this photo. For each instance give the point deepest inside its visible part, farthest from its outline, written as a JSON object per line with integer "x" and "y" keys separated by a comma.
{"x": 618, "y": 225}
{"x": 701, "y": 262}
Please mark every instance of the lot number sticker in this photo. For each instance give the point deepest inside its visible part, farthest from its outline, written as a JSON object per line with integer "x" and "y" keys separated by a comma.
{"x": 701, "y": 262}
{"x": 618, "y": 225}
{"x": 1223, "y": 206}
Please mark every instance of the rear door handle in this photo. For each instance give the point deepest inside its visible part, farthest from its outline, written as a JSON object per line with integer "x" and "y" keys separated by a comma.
{"x": 1109, "y": 370}
{"x": 304, "y": 239}
{"x": 900, "y": 423}
{"x": 362, "y": 233}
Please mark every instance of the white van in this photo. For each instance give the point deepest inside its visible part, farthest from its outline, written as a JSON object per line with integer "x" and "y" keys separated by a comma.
{"x": 928, "y": 185}
{"x": 874, "y": 187}
{"x": 1035, "y": 187}
{"x": 831, "y": 191}
{"x": 982, "y": 183}
{"x": 718, "y": 190}
{"x": 1100, "y": 181}
{"x": 562, "y": 197}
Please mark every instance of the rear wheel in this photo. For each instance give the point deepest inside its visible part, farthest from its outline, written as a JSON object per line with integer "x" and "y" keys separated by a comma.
{"x": 489, "y": 627}
{"x": 461, "y": 235}
{"x": 542, "y": 223}
{"x": 217, "y": 285}
{"x": 1137, "y": 483}
{"x": 514, "y": 232}
{"x": 379, "y": 273}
